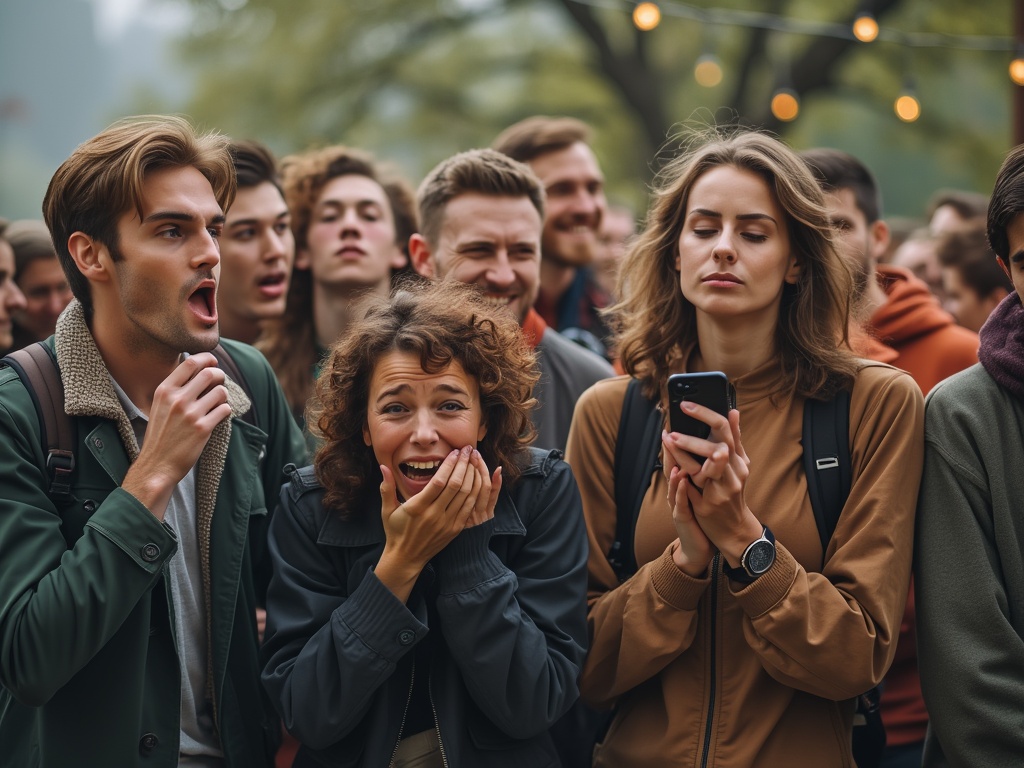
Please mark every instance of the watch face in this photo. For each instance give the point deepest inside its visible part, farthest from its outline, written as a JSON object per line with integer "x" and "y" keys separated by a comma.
{"x": 759, "y": 557}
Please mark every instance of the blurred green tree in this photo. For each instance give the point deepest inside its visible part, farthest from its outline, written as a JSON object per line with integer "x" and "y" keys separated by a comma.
{"x": 416, "y": 80}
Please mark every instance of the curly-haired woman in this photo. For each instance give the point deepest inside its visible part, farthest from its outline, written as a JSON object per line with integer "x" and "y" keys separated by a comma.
{"x": 426, "y": 610}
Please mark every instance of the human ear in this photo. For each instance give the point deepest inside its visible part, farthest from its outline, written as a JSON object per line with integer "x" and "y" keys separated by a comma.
{"x": 88, "y": 255}
{"x": 302, "y": 259}
{"x": 366, "y": 435}
{"x": 419, "y": 250}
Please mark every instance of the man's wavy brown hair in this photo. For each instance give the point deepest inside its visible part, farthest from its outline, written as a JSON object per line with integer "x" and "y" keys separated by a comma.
{"x": 441, "y": 323}
{"x": 656, "y": 324}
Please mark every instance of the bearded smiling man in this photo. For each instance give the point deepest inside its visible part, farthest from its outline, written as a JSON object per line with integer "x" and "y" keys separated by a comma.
{"x": 557, "y": 150}
{"x": 128, "y": 630}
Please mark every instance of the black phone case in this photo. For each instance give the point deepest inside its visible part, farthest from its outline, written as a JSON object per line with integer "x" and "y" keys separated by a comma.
{"x": 711, "y": 389}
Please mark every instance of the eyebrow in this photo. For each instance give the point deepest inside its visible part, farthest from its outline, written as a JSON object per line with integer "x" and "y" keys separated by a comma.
{"x": 741, "y": 217}
{"x": 179, "y": 216}
{"x": 1017, "y": 257}
{"x": 255, "y": 220}
{"x": 392, "y": 391}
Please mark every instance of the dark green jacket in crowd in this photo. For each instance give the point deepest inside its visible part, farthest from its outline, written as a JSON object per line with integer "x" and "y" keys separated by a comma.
{"x": 88, "y": 661}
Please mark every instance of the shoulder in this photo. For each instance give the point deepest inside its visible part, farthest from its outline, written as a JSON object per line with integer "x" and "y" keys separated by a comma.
{"x": 302, "y": 482}
{"x": 883, "y": 396}
{"x": 582, "y": 362}
{"x": 249, "y": 359}
{"x": 969, "y": 396}
{"x": 605, "y": 396}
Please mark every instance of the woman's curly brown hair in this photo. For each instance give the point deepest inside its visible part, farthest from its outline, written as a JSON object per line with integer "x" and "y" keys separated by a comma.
{"x": 442, "y": 323}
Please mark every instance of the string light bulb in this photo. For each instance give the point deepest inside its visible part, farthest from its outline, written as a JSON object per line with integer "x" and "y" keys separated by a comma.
{"x": 646, "y": 16}
{"x": 785, "y": 105}
{"x": 865, "y": 28}
{"x": 708, "y": 71}
{"x": 907, "y": 107}
{"x": 1017, "y": 66}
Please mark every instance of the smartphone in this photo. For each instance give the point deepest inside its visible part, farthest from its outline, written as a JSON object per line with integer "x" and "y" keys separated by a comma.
{"x": 711, "y": 389}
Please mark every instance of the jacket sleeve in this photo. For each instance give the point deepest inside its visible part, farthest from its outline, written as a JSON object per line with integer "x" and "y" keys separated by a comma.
{"x": 834, "y": 633}
{"x": 517, "y": 631}
{"x": 659, "y": 599}
{"x": 971, "y": 654}
{"x": 60, "y": 606}
{"x": 327, "y": 651}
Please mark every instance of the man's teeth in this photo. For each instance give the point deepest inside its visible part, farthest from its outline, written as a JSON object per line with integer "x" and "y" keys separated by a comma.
{"x": 423, "y": 464}
{"x": 497, "y": 301}
{"x": 580, "y": 229}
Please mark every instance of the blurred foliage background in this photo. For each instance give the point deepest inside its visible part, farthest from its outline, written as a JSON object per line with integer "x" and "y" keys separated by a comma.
{"x": 417, "y": 80}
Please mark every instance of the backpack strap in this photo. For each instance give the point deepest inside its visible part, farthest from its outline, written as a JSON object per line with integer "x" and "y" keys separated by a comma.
{"x": 37, "y": 368}
{"x": 230, "y": 367}
{"x": 826, "y": 442}
{"x": 637, "y": 450}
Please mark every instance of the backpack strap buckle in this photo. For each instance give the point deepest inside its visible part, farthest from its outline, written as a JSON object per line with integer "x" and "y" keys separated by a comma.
{"x": 61, "y": 465}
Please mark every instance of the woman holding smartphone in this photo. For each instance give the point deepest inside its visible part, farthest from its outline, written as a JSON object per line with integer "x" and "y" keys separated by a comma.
{"x": 738, "y": 641}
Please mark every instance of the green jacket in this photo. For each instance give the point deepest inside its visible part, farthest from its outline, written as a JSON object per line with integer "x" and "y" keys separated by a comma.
{"x": 88, "y": 663}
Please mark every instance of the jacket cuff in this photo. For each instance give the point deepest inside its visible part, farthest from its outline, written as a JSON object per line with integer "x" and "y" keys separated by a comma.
{"x": 770, "y": 587}
{"x": 675, "y": 587}
{"x": 128, "y": 524}
{"x": 382, "y": 621}
{"x": 467, "y": 560}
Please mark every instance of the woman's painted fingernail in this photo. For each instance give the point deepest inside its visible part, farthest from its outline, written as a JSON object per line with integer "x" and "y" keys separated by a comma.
{"x": 688, "y": 406}
{"x": 476, "y": 454}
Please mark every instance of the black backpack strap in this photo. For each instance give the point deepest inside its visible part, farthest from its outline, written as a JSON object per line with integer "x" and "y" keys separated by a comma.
{"x": 37, "y": 368}
{"x": 637, "y": 448}
{"x": 826, "y": 442}
{"x": 230, "y": 367}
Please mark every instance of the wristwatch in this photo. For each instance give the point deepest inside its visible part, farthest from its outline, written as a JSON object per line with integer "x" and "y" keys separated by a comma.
{"x": 757, "y": 558}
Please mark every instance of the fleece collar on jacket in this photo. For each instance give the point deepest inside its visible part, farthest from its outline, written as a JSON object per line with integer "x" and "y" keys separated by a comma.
{"x": 88, "y": 391}
{"x": 911, "y": 310}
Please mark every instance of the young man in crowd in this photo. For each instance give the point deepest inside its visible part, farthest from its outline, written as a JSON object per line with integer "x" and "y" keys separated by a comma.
{"x": 557, "y": 150}
{"x": 969, "y": 560}
{"x": 257, "y": 249}
{"x": 900, "y": 323}
{"x": 129, "y": 599}
{"x": 482, "y": 217}
{"x": 11, "y": 298}
{"x": 352, "y": 218}
{"x": 39, "y": 276}
{"x": 973, "y": 280}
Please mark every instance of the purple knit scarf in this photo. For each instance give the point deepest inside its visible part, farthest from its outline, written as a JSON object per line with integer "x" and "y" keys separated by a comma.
{"x": 1002, "y": 345}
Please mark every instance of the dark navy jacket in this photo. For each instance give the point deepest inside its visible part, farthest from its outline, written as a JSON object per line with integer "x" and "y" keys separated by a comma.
{"x": 510, "y": 633}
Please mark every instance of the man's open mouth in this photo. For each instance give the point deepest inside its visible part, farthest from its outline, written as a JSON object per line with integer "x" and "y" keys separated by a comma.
{"x": 203, "y": 303}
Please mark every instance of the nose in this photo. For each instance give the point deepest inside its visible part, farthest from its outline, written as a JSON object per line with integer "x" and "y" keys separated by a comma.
{"x": 501, "y": 275}
{"x": 725, "y": 249}
{"x": 350, "y": 223}
{"x": 424, "y": 431}
{"x": 207, "y": 253}
{"x": 276, "y": 247}
{"x": 14, "y": 299}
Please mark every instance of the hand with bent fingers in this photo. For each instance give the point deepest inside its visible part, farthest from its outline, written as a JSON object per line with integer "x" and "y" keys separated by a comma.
{"x": 187, "y": 405}
{"x": 714, "y": 489}
{"x": 459, "y": 494}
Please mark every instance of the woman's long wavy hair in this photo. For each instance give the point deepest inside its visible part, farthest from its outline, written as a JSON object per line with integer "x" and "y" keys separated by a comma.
{"x": 656, "y": 324}
{"x": 441, "y": 323}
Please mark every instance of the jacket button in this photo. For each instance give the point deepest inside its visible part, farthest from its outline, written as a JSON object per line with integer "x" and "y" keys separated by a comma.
{"x": 406, "y": 636}
{"x": 150, "y": 552}
{"x": 89, "y": 505}
{"x": 148, "y": 743}
{"x": 98, "y": 443}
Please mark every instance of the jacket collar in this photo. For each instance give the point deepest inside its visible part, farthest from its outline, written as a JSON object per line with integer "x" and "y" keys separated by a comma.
{"x": 89, "y": 391}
